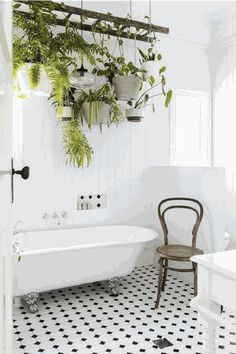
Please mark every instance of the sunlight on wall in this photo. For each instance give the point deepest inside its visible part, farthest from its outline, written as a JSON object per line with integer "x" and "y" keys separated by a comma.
{"x": 225, "y": 128}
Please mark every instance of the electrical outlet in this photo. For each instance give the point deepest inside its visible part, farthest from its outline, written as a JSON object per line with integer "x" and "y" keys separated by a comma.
{"x": 92, "y": 201}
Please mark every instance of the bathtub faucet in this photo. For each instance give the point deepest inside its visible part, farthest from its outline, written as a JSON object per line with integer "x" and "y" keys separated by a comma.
{"x": 55, "y": 216}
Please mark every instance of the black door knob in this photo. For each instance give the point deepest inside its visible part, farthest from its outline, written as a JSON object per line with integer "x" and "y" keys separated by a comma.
{"x": 25, "y": 172}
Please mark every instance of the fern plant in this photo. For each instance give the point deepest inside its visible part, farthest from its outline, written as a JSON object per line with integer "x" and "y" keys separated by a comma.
{"x": 35, "y": 42}
{"x": 76, "y": 145}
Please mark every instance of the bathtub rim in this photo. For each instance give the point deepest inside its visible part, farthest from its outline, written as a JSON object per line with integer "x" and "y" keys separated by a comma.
{"x": 153, "y": 236}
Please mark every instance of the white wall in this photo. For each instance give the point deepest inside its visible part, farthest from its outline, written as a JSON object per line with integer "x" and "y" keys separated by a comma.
{"x": 121, "y": 155}
{"x": 223, "y": 75}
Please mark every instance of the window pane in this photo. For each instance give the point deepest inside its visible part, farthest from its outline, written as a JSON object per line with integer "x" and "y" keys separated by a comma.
{"x": 190, "y": 129}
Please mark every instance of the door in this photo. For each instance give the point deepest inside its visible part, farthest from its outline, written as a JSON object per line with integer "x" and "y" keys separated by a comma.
{"x": 5, "y": 179}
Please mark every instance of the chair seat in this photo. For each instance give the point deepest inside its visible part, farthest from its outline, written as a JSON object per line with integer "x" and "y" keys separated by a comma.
{"x": 178, "y": 252}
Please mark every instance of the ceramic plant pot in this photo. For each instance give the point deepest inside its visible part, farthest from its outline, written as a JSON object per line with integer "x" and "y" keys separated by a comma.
{"x": 43, "y": 88}
{"x": 152, "y": 69}
{"x": 100, "y": 112}
{"x": 65, "y": 114}
{"x": 126, "y": 87}
{"x": 134, "y": 114}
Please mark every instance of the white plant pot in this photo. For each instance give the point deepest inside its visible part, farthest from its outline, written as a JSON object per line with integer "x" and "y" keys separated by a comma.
{"x": 152, "y": 69}
{"x": 43, "y": 88}
{"x": 134, "y": 114}
{"x": 126, "y": 87}
{"x": 102, "y": 115}
{"x": 66, "y": 113}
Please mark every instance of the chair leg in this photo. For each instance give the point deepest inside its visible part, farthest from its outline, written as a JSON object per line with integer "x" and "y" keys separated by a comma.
{"x": 195, "y": 272}
{"x": 159, "y": 282}
{"x": 165, "y": 274}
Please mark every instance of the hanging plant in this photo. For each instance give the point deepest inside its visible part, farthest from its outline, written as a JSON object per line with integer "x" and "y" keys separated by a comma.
{"x": 98, "y": 106}
{"x": 35, "y": 42}
{"x": 66, "y": 113}
{"x": 76, "y": 145}
{"x": 136, "y": 111}
{"x": 125, "y": 77}
{"x": 150, "y": 63}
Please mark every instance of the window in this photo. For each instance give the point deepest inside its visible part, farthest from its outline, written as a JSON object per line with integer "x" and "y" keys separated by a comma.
{"x": 190, "y": 141}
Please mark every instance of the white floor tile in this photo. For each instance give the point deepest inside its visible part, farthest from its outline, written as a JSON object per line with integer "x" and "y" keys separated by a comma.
{"x": 86, "y": 319}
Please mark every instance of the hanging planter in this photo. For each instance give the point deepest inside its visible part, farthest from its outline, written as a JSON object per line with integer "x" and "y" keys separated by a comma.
{"x": 96, "y": 112}
{"x": 27, "y": 86}
{"x": 126, "y": 87}
{"x": 97, "y": 106}
{"x": 134, "y": 114}
{"x": 65, "y": 113}
{"x": 151, "y": 68}
{"x": 150, "y": 63}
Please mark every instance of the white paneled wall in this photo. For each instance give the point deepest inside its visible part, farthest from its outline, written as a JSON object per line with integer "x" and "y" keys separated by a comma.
{"x": 121, "y": 154}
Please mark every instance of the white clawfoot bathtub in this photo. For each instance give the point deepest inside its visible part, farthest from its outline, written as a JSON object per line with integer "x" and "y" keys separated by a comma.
{"x": 53, "y": 259}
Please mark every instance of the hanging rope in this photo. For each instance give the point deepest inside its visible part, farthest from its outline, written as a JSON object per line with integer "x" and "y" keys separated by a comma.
{"x": 81, "y": 31}
{"x": 135, "y": 44}
{"x": 81, "y": 19}
{"x": 150, "y": 12}
{"x": 150, "y": 18}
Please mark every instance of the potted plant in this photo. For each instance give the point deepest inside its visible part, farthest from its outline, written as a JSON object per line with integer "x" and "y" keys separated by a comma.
{"x": 150, "y": 63}
{"x": 66, "y": 112}
{"x": 98, "y": 106}
{"x": 136, "y": 111}
{"x": 126, "y": 78}
{"x": 38, "y": 49}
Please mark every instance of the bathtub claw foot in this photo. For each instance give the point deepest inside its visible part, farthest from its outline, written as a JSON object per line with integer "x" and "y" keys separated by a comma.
{"x": 31, "y": 301}
{"x": 113, "y": 285}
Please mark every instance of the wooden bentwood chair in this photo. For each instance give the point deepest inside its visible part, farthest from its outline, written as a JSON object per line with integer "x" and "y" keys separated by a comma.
{"x": 172, "y": 252}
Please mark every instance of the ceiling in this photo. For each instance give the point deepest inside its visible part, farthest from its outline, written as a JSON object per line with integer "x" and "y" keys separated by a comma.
{"x": 187, "y": 20}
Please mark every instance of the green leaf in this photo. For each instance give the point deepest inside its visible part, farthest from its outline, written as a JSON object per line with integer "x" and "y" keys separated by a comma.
{"x": 162, "y": 70}
{"x": 146, "y": 97}
{"x": 34, "y": 74}
{"x": 168, "y": 98}
{"x": 151, "y": 80}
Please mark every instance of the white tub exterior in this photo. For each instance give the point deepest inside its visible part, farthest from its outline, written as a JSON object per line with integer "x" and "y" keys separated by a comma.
{"x": 53, "y": 259}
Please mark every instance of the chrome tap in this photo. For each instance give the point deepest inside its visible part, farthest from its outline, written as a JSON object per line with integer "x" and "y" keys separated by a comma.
{"x": 55, "y": 216}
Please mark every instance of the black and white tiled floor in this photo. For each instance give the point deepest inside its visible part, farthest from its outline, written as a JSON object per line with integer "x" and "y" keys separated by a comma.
{"x": 86, "y": 319}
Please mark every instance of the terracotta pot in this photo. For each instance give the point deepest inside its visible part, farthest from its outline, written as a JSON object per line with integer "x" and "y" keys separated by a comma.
{"x": 126, "y": 87}
{"x": 134, "y": 114}
{"x": 102, "y": 115}
{"x": 152, "y": 69}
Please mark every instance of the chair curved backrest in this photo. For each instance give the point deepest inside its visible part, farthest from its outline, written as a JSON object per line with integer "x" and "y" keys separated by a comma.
{"x": 198, "y": 210}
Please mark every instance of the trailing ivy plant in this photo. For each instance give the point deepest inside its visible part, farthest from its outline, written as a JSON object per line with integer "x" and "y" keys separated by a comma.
{"x": 35, "y": 42}
{"x": 149, "y": 93}
{"x": 117, "y": 66}
{"x": 95, "y": 98}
